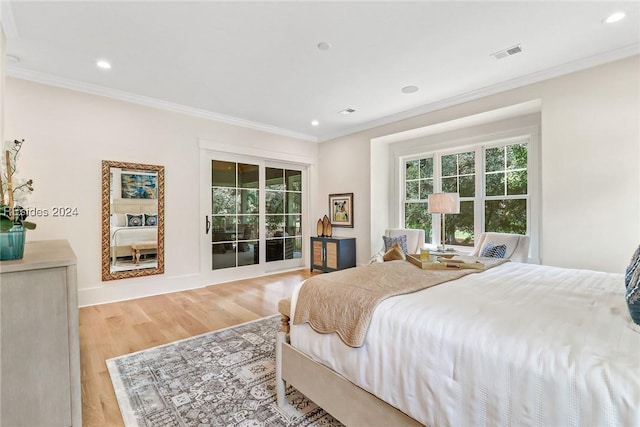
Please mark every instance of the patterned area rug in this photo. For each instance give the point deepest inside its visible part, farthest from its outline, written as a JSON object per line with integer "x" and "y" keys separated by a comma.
{"x": 222, "y": 378}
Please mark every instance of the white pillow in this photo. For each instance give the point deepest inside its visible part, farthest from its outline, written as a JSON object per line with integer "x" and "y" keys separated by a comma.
{"x": 118, "y": 220}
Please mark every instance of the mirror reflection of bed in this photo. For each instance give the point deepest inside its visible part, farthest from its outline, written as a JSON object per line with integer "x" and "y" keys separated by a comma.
{"x": 133, "y": 234}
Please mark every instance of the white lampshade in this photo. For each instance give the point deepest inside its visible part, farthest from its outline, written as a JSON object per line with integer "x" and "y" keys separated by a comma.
{"x": 444, "y": 203}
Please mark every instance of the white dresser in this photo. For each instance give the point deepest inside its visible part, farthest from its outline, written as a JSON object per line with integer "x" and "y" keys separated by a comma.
{"x": 39, "y": 348}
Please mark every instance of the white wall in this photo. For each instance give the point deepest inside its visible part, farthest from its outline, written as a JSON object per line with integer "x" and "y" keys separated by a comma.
{"x": 590, "y": 150}
{"x": 69, "y": 133}
{"x": 590, "y": 178}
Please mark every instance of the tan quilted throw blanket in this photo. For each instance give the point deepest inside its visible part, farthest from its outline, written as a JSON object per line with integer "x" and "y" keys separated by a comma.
{"x": 343, "y": 301}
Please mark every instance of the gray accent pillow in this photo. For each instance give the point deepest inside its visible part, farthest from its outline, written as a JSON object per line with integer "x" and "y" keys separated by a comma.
{"x": 402, "y": 241}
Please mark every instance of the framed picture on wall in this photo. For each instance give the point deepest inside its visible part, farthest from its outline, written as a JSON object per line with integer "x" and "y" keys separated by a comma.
{"x": 139, "y": 186}
{"x": 341, "y": 210}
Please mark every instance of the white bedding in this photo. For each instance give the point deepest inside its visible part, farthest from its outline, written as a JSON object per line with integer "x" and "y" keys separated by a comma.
{"x": 125, "y": 236}
{"x": 516, "y": 345}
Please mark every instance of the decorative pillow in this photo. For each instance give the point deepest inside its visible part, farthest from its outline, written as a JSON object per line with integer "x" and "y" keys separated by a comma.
{"x": 118, "y": 220}
{"x": 402, "y": 241}
{"x": 491, "y": 250}
{"x": 135, "y": 220}
{"x": 150, "y": 220}
{"x": 632, "y": 284}
{"x": 394, "y": 253}
{"x": 633, "y": 265}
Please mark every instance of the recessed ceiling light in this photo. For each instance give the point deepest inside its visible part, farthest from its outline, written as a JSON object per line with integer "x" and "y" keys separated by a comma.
{"x": 103, "y": 64}
{"x": 324, "y": 46}
{"x": 12, "y": 59}
{"x": 347, "y": 111}
{"x": 314, "y": 123}
{"x": 410, "y": 89}
{"x": 614, "y": 17}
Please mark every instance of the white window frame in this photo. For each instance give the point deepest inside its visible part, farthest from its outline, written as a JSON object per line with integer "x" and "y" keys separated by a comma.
{"x": 530, "y": 135}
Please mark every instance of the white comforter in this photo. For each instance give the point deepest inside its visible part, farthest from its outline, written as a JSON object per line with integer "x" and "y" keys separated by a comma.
{"x": 517, "y": 345}
{"x": 124, "y": 236}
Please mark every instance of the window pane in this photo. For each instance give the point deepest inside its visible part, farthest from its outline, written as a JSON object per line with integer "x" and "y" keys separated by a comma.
{"x": 248, "y": 227}
{"x": 467, "y": 186}
{"x": 517, "y": 156}
{"x": 460, "y": 227}
{"x": 275, "y": 225}
{"x": 294, "y": 203}
{"x": 247, "y": 175}
{"x": 467, "y": 163}
{"x": 506, "y": 216}
{"x": 293, "y": 227}
{"x": 223, "y": 255}
{"x": 426, "y": 168}
{"x": 274, "y": 202}
{"x": 289, "y": 248}
{"x": 411, "y": 190}
{"x": 223, "y": 228}
{"x": 449, "y": 165}
{"x": 275, "y": 250}
{"x": 223, "y": 201}
{"x": 495, "y": 184}
{"x": 249, "y": 201}
{"x": 223, "y": 174}
{"x": 517, "y": 182}
{"x": 416, "y": 215}
{"x": 426, "y": 188}
{"x": 248, "y": 253}
{"x": 274, "y": 179}
{"x": 293, "y": 180}
{"x": 450, "y": 185}
{"x": 494, "y": 158}
{"x": 412, "y": 169}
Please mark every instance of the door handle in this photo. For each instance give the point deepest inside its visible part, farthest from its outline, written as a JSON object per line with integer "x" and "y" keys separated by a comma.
{"x": 207, "y": 224}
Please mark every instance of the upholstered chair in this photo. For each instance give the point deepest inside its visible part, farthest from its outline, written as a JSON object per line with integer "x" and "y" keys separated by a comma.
{"x": 517, "y": 245}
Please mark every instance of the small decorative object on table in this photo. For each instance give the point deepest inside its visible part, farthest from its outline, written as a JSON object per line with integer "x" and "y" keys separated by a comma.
{"x": 12, "y": 216}
{"x": 323, "y": 228}
{"x": 326, "y": 227}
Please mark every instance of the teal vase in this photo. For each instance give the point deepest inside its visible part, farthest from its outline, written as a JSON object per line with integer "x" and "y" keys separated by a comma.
{"x": 12, "y": 243}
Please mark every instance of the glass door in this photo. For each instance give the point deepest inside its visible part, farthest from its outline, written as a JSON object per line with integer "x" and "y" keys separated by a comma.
{"x": 253, "y": 216}
{"x": 235, "y": 214}
{"x": 283, "y": 214}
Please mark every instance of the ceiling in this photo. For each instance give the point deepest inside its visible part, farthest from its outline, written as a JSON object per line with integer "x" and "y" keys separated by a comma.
{"x": 257, "y": 64}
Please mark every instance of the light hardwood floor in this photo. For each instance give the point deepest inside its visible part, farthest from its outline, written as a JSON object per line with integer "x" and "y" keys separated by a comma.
{"x": 111, "y": 330}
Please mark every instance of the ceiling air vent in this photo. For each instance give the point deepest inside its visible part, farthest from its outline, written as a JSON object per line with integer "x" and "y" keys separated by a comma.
{"x": 507, "y": 52}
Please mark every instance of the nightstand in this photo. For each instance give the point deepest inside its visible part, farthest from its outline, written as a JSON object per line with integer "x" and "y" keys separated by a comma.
{"x": 333, "y": 253}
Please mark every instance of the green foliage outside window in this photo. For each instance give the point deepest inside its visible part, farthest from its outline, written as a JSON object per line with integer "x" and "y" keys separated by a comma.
{"x": 505, "y": 194}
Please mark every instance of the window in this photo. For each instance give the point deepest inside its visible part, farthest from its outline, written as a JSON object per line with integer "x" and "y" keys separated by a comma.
{"x": 418, "y": 186}
{"x": 491, "y": 179}
{"x": 505, "y": 204}
{"x": 459, "y": 176}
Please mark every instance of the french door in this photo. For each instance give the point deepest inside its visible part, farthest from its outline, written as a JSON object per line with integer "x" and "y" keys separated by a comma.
{"x": 252, "y": 211}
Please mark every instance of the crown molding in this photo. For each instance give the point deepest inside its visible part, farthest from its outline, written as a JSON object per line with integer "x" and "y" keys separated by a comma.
{"x": 567, "y": 68}
{"x": 38, "y": 77}
{"x": 549, "y": 73}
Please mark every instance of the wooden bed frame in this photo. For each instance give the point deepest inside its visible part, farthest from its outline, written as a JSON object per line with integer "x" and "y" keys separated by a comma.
{"x": 348, "y": 403}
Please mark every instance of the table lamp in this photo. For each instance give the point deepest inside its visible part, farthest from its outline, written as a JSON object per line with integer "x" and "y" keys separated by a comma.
{"x": 444, "y": 203}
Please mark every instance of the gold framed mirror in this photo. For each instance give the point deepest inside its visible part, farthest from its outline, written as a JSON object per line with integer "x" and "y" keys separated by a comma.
{"x": 132, "y": 220}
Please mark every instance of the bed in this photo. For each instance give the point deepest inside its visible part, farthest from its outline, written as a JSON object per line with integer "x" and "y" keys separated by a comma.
{"x": 515, "y": 345}
{"x": 122, "y": 235}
